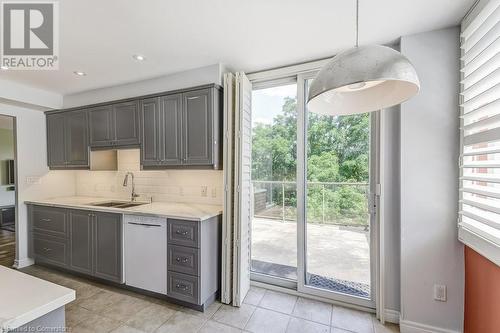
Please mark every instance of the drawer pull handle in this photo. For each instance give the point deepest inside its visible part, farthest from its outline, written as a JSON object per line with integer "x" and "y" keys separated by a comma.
{"x": 46, "y": 249}
{"x": 181, "y": 286}
{"x": 180, "y": 232}
{"x": 179, "y": 259}
{"x": 46, "y": 220}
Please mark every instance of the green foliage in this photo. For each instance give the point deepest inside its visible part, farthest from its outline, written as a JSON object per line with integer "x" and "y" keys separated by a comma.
{"x": 337, "y": 151}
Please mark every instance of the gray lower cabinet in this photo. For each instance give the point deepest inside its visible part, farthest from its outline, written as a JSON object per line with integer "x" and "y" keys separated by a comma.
{"x": 114, "y": 125}
{"x": 107, "y": 245}
{"x": 78, "y": 240}
{"x": 67, "y": 140}
{"x": 193, "y": 260}
{"x": 182, "y": 129}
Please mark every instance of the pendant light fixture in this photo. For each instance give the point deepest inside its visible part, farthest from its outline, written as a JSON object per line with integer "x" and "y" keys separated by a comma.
{"x": 362, "y": 79}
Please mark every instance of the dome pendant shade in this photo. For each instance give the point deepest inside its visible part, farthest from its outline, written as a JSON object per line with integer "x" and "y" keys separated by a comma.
{"x": 363, "y": 79}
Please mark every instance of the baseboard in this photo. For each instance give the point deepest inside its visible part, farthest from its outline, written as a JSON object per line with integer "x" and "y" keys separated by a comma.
{"x": 392, "y": 316}
{"x": 21, "y": 263}
{"x": 406, "y": 326}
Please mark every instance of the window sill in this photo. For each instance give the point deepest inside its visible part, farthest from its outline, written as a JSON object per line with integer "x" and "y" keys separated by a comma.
{"x": 487, "y": 248}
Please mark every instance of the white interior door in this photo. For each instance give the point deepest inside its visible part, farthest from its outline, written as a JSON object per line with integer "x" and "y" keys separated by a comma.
{"x": 242, "y": 188}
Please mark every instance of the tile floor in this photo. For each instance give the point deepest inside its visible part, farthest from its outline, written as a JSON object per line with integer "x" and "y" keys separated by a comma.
{"x": 101, "y": 308}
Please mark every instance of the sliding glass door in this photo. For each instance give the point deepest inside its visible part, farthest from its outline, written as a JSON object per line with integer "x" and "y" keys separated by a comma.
{"x": 335, "y": 210}
{"x": 274, "y": 156}
{"x": 313, "y": 208}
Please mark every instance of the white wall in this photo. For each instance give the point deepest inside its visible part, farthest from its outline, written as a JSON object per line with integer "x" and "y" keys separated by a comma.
{"x": 185, "y": 79}
{"x": 430, "y": 251}
{"x": 31, "y": 148}
{"x": 161, "y": 185}
{"x": 390, "y": 139}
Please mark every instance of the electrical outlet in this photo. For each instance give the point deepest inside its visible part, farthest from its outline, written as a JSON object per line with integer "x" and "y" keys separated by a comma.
{"x": 440, "y": 292}
{"x": 35, "y": 180}
{"x": 214, "y": 193}
{"x": 204, "y": 191}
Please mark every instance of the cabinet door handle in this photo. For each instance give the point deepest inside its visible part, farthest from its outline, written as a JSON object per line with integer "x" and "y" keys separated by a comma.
{"x": 179, "y": 259}
{"x": 183, "y": 233}
{"x": 46, "y": 249}
{"x": 46, "y": 220}
{"x": 181, "y": 286}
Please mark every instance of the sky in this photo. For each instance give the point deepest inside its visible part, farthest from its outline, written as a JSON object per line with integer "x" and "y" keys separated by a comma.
{"x": 267, "y": 103}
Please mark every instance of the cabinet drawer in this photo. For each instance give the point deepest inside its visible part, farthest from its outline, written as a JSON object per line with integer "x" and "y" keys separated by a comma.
{"x": 50, "y": 249}
{"x": 182, "y": 232}
{"x": 183, "y": 259}
{"x": 183, "y": 287}
{"x": 50, "y": 220}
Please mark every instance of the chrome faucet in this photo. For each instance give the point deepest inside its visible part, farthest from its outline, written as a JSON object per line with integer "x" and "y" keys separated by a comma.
{"x": 125, "y": 182}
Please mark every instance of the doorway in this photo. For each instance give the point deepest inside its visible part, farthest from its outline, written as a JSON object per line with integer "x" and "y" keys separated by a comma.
{"x": 313, "y": 195}
{"x": 7, "y": 191}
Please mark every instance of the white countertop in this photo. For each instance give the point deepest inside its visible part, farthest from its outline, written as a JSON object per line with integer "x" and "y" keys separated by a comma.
{"x": 186, "y": 211}
{"x": 25, "y": 298}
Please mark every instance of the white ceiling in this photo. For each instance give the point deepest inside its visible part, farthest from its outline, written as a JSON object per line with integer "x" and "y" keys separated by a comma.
{"x": 99, "y": 37}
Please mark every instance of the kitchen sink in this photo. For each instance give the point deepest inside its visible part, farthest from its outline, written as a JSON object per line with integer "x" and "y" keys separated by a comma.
{"x": 117, "y": 204}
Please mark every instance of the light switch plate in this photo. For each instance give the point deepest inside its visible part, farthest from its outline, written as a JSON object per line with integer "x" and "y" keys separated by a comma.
{"x": 440, "y": 292}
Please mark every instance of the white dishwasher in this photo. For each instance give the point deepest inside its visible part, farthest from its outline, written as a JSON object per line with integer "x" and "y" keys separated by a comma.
{"x": 145, "y": 249}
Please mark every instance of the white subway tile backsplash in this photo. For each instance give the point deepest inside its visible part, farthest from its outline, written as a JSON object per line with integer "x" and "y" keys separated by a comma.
{"x": 164, "y": 185}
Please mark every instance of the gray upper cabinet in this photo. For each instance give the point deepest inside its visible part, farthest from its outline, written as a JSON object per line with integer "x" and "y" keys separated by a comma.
{"x": 197, "y": 127}
{"x": 67, "y": 140}
{"x": 125, "y": 124}
{"x": 56, "y": 151}
{"x": 150, "y": 129}
{"x": 114, "y": 125}
{"x": 182, "y": 130}
{"x": 170, "y": 120}
{"x": 77, "y": 138}
{"x": 100, "y": 126}
{"x": 108, "y": 246}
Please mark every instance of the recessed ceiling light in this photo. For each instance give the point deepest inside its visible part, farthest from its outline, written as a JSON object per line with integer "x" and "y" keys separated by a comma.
{"x": 139, "y": 57}
{"x": 4, "y": 68}
{"x": 79, "y": 73}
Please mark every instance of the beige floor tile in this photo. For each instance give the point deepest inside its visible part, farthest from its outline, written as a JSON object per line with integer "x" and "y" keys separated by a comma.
{"x": 150, "y": 318}
{"x": 101, "y": 301}
{"x": 267, "y": 321}
{"x": 215, "y": 327}
{"x": 76, "y": 314}
{"x": 352, "y": 320}
{"x": 125, "y": 308}
{"x": 277, "y": 301}
{"x": 234, "y": 316}
{"x": 298, "y": 325}
{"x": 313, "y": 310}
{"x": 182, "y": 322}
{"x": 126, "y": 329}
{"x": 339, "y": 330}
{"x": 96, "y": 324}
{"x": 208, "y": 313}
{"x": 254, "y": 295}
{"x": 387, "y": 328}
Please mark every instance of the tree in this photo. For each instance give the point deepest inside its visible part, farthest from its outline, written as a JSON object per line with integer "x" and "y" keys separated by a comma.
{"x": 337, "y": 151}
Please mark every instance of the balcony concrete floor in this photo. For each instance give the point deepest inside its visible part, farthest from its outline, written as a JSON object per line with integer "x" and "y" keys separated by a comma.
{"x": 333, "y": 251}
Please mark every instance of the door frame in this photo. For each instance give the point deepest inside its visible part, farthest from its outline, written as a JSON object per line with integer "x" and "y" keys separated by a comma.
{"x": 299, "y": 73}
{"x": 302, "y": 287}
{"x": 16, "y": 194}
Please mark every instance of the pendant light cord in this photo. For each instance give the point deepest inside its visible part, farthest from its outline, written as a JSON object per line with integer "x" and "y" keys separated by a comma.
{"x": 357, "y": 23}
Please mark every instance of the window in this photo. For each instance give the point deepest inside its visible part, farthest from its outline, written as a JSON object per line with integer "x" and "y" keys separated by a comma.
{"x": 479, "y": 222}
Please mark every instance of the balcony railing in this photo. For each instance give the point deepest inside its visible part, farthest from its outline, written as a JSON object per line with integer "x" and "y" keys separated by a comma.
{"x": 337, "y": 203}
